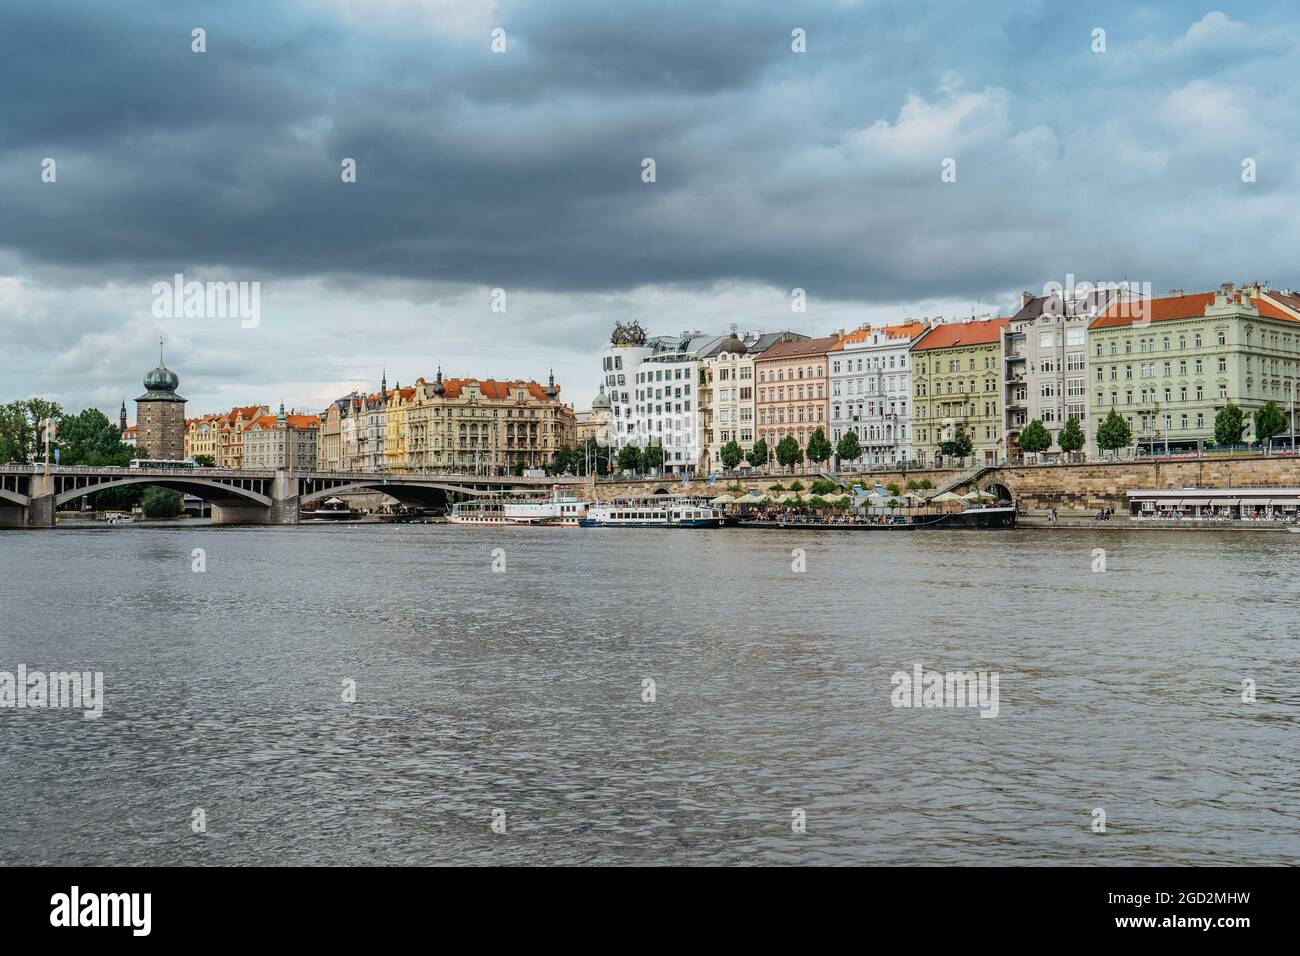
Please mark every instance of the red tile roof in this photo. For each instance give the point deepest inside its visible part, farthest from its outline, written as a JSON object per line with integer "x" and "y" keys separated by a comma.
{"x": 491, "y": 388}
{"x": 956, "y": 334}
{"x": 904, "y": 330}
{"x": 1173, "y": 307}
{"x": 293, "y": 421}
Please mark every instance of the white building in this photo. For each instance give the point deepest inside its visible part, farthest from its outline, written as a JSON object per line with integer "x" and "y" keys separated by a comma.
{"x": 871, "y": 388}
{"x": 727, "y": 393}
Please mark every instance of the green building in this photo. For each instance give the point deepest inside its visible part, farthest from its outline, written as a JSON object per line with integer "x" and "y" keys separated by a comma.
{"x": 1168, "y": 365}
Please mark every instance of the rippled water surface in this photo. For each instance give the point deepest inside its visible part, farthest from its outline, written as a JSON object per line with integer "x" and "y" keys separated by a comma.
{"x": 522, "y": 691}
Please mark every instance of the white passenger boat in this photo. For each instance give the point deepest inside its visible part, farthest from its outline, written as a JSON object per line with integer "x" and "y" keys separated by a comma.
{"x": 670, "y": 512}
{"x": 565, "y": 510}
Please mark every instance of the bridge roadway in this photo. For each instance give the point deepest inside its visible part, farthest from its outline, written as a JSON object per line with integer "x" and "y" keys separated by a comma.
{"x": 30, "y": 494}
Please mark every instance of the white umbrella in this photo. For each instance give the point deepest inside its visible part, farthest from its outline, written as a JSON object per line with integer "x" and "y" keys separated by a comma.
{"x": 748, "y": 499}
{"x": 977, "y": 495}
{"x": 947, "y": 496}
{"x": 723, "y": 499}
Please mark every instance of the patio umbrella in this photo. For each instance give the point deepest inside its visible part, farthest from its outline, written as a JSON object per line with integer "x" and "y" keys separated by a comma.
{"x": 749, "y": 499}
{"x": 946, "y": 496}
{"x": 978, "y": 495}
{"x": 723, "y": 499}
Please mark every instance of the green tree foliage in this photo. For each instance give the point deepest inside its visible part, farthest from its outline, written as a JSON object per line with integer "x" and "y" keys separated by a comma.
{"x": 1114, "y": 432}
{"x": 89, "y": 438}
{"x": 1071, "y": 438}
{"x": 788, "y": 452}
{"x": 653, "y": 456}
{"x": 629, "y": 458}
{"x": 757, "y": 456}
{"x": 731, "y": 454}
{"x": 959, "y": 446}
{"x": 205, "y": 461}
{"x": 1229, "y": 424}
{"x": 1035, "y": 438}
{"x": 160, "y": 502}
{"x": 848, "y": 448}
{"x": 20, "y": 423}
{"x": 1269, "y": 421}
{"x": 796, "y": 486}
{"x": 819, "y": 448}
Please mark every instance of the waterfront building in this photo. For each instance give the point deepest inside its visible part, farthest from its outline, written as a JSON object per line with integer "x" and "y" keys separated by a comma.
{"x": 372, "y": 429}
{"x": 621, "y": 359}
{"x": 399, "y": 402}
{"x": 281, "y": 442}
{"x": 1045, "y": 361}
{"x": 727, "y": 392}
{"x": 871, "y": 391}
{"x": 1169, "y": 364}
{"x": 594, "y": 424}
{"x": 484, "y": 425}
{"x": 330, "y": 454}
{"x": 957, "y": 380}
{"x": 160, "y": 414}
{"x": 230, "y": 434}
{"x": 793, "y": 390}
{"x": 201, "y": 436}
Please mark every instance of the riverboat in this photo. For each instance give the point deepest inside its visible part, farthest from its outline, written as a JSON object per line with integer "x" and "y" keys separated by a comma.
{"x": 562, "y": 510}
{"x": 660, "y": 512}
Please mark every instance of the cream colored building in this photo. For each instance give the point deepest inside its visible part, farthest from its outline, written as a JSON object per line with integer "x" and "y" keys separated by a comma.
{"x": 281, "y": 441}
{"x": 482, "y": 425}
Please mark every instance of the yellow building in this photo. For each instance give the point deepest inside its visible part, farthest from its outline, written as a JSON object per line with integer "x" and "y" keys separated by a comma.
{"x": 201, "y": 436}
{"x": 397, "y": 405}
{"x": 468, "y": 425}
{"x": 956, "y": 380}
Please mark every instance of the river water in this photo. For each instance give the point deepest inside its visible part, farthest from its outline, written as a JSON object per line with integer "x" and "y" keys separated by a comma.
{"x": 522, "y": 691}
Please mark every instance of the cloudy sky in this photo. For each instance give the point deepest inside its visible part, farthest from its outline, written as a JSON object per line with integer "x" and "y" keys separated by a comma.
{"x": 522, "y": 170}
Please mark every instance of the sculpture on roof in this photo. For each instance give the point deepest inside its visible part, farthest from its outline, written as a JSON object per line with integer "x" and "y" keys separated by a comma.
{"x": 628, "y": 333}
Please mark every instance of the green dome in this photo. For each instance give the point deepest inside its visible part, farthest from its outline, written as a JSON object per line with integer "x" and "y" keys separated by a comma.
{"x": 161, "y": 379}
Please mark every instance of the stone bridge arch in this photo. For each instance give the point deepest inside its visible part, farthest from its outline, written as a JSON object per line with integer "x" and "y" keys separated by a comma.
{"x": 13, "y": 497}
{"x": 206, "y": 488}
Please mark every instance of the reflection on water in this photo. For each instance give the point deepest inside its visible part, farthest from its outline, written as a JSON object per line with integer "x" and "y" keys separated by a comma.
{"x": 522, "y": 691}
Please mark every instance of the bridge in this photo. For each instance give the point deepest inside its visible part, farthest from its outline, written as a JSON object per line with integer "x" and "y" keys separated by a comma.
{"x": 30, "y": 494}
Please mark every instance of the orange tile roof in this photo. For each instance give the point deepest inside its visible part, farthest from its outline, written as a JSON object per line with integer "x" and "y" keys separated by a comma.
{"x": 1172, "y": 307}
{"x": 293, "y": 421}
{"x": 955, "y": 334}
{"x": 491, "y": 388}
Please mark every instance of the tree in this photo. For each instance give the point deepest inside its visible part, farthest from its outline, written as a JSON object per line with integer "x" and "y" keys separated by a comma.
{"x": 20, "y": 423}
{"x": 1114, "y": 432}
{"x": 89, "y": 438}
{"x": 1229, "y": 423}
{"x": 1269, "y": 421}
{"x": 205, "y": 461}
{"x": 1035, "y": 438}
{"x": 788, "y": 452}
{"x": 160, "y": 502}
{"x": 629, "y": 458}
{"x": 1071, "y": 438}
{"x": 959, "y": 446}
{"x": 757, "y": 456}
{"x": 652, "y": 456}
{"x": 819, "y": 447}
{"x": 848, "y": 448}
{"x": 731, "y": 454}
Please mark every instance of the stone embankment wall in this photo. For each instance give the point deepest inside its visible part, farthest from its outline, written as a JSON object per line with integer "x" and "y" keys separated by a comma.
{"x": 1083, "y": 487}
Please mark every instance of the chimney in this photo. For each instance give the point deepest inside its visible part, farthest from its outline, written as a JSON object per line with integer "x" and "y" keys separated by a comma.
{"x": 1026, "y": 298}
{"x": 1176, "y": 293}
{"x": 1226, "y": 290}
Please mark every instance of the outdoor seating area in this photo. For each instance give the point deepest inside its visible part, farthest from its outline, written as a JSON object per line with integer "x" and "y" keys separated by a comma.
{"x": 1279, "y": 506}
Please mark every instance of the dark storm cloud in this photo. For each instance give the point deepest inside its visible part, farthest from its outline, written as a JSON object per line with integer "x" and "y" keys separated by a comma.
{"x": 522, "y": 169}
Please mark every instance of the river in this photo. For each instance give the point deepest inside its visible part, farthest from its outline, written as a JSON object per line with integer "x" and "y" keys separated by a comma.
{"x": 522, "y": 692}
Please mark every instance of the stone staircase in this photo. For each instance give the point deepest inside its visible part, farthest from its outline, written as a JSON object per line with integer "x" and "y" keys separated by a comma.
{"x": 966, "y": 477}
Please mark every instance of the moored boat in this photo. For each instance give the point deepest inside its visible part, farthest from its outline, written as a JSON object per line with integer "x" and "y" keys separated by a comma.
{"x": 655, "y": 512}
{"x": 563, "y": 510}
